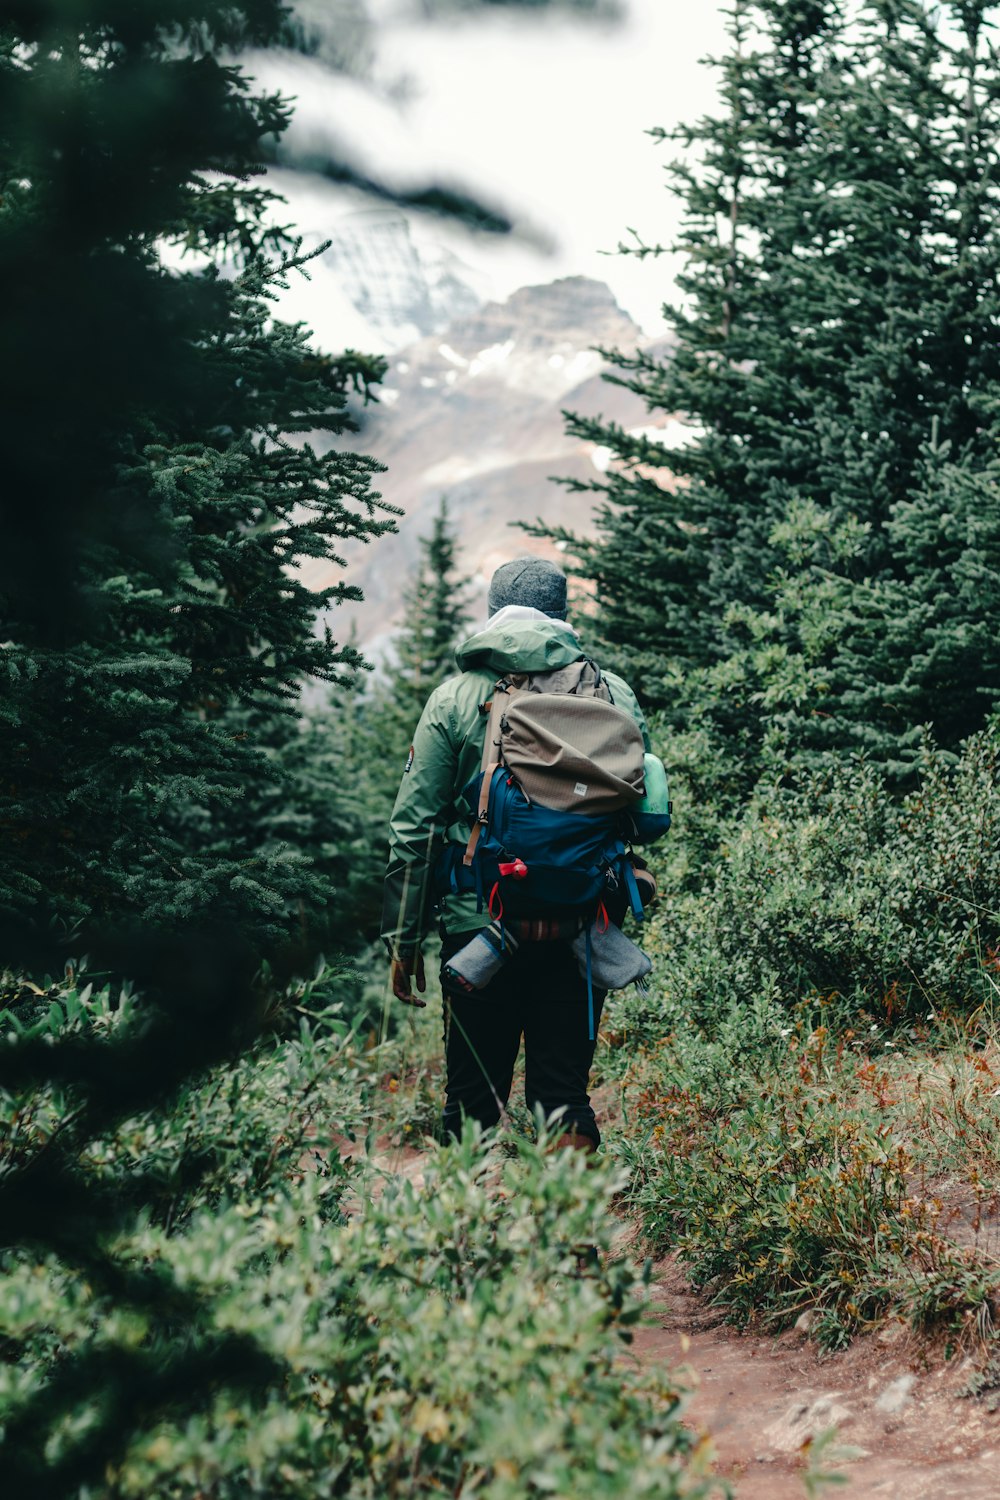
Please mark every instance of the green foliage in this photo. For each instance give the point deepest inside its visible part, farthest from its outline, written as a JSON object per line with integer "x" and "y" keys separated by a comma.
{"x": 784, "y": 1201}
{"x": 797, "y": 1166}
{"x": 199, "y": 1295}
{"x": 113, "y": 1118}
{"x": 835, "y": 889}
{"x": 423, "y": 656}
{"x": 823, "y": 1450}
{"x": 436, "y": 612}
{"x": 431, "y": 1353}
{"x": 892, "y": 904}
{"x": 161, "y": 489}
{"x": 809, "y": 1088}
{"x": 806, "y": 589}
{"x": 438, "y": 1337}
{"x": 369, "y": 732}
{"x": 233, "y": 1133}
{"x": 810, "y": 570}
{"x": 839, "y": 658}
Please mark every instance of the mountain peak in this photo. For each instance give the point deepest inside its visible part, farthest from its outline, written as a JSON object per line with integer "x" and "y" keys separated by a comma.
{"x": 560, "y": 317}
{"x": 571, "y": 297}
{"x": 473, "y": 414}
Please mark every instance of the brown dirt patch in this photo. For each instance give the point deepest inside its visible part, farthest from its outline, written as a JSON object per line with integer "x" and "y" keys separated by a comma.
{"x": 758, "y": 1397}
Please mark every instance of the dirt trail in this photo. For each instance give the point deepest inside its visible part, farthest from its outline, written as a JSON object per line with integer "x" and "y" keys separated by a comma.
{"x": 760, "y": 1398}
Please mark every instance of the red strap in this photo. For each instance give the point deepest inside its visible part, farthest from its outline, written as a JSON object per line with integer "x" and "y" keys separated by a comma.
{"x": 602, "y": 911}
{"x": 495, "y": 896}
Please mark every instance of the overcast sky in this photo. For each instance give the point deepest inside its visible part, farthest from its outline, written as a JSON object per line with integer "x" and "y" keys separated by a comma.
{"x": 544, "y": 118}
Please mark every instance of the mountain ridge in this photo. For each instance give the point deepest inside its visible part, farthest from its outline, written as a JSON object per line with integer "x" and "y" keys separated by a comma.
{"x": 474, "y": 415}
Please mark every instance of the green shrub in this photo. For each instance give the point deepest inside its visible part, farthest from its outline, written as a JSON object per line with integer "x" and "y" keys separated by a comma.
{"x": 791, "y": 1168}
{"x": 233, "y": 1131}
{"x": 778, "y": 1196}
{"x": 847, "y": 890}
{"x": 835, "y": 888}
{"x": 440, "y": 1341}
{"x": 462, "y": 1337}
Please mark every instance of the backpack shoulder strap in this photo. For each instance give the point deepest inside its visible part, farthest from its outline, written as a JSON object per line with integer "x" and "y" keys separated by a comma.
{"x": 503, "y": 692}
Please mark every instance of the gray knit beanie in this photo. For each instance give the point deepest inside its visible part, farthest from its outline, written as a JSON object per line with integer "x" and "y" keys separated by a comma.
{"x": 531, "y": 581}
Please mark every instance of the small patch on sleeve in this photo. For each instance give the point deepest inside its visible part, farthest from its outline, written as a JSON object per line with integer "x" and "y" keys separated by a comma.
{"x": 409, "y": 761}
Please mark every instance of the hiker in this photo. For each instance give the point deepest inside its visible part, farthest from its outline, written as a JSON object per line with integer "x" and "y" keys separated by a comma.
{"x": 535, "y": 988}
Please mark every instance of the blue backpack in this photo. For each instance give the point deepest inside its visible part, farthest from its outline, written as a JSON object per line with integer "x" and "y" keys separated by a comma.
{"x": 558, "y": 801}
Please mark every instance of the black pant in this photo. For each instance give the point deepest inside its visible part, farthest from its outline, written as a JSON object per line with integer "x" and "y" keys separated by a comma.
{"x": 541, "y": 994}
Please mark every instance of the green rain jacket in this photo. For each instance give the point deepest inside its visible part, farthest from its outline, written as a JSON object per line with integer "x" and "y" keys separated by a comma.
{"x": 447, "y": 753}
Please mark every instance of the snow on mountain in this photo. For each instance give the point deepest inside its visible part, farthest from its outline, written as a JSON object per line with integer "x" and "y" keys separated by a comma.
{"x": 403, "y": 289}
{"x": 474, "y": 413}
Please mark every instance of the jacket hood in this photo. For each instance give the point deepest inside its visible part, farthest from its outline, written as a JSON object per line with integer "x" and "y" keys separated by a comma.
{"x": 520, "y": 640}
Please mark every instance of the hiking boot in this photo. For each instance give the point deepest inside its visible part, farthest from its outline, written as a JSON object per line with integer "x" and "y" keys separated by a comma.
{"x": 573, "y": 1141}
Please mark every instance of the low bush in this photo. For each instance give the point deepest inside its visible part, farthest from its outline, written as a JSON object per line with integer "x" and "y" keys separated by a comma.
{"x": 231, "y": 1132}
{"x": 344, "y": 1335}
{"x": 792, "y": 1169}
{"x": 441, "y": 1341}
{"x": 835, "y": 888}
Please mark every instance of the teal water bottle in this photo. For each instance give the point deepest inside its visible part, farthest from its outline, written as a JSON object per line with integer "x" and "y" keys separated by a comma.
{"x": 652, "y": 814}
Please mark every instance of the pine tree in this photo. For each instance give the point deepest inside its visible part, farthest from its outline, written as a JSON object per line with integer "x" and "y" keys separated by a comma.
{"x": 684, "y": 531}
{"x": 159, "y": 486}
{"x": 158, "y": 489}
{"x": 435, "y": 612}
{"x": 373, "y": 730}
{"x": 753, "y": 580}
{"x": 882, "y": 617}
{"x": 160, "y": 483}
{"x": 928, "y": 651}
